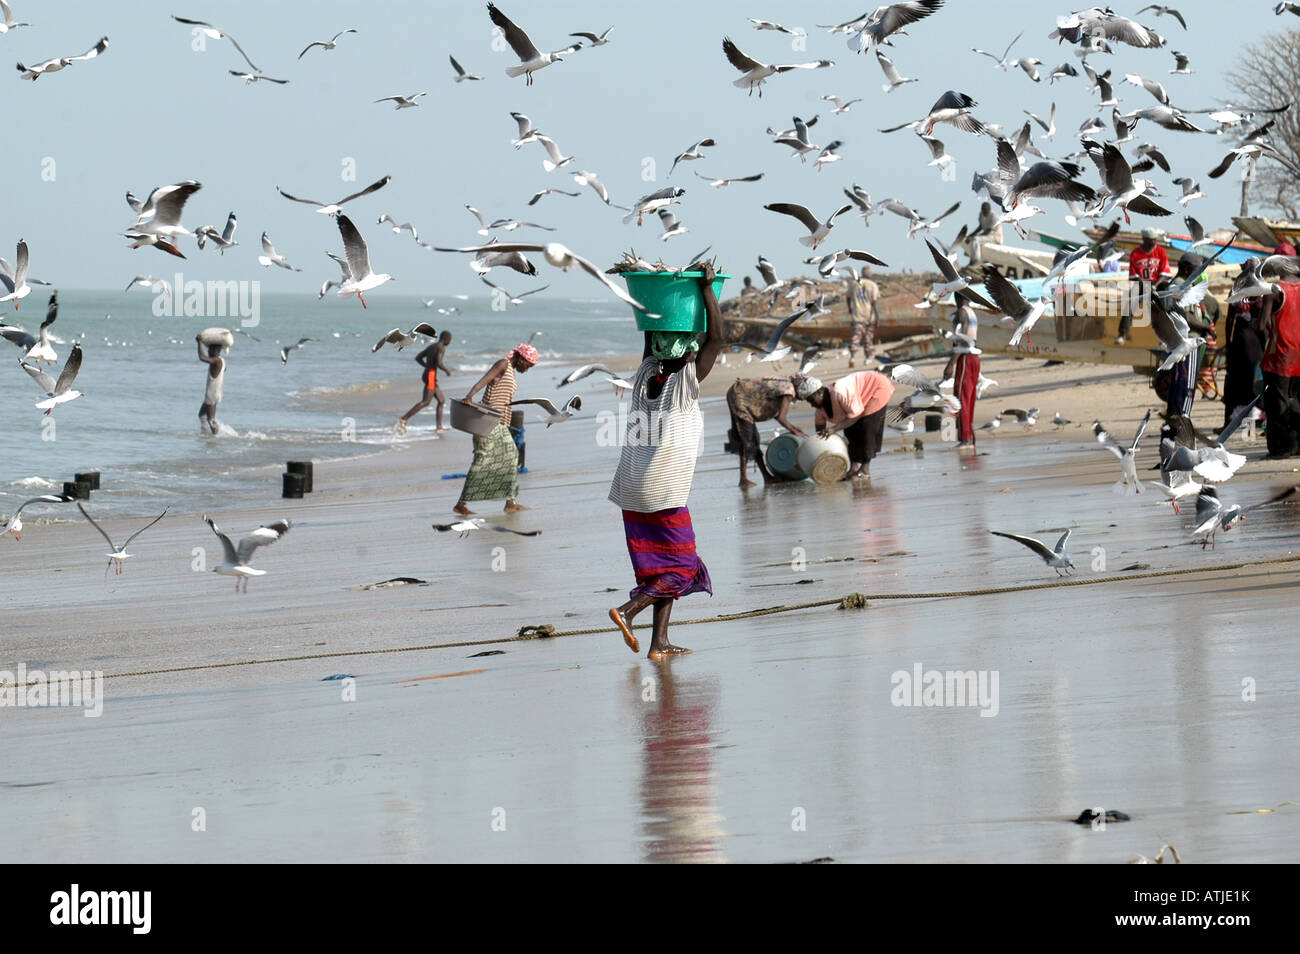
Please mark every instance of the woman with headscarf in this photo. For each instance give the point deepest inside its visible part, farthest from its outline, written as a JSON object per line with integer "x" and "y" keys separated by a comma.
{"x": 494, "y": 474}
{"x": 856, "y": 405}
{"x": 655, "y": 470}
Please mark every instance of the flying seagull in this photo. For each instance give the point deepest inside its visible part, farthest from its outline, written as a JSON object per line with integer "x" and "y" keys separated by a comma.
{"x": 7, "y": 22}
{"x": 159, "y": 220}
{"x": 1056, "y": 558}
{"x": 558, "y": 256}
{"x": 360, "y": 278}
{"x": 840, "y": 105}
{"x": 653, "y": 202}
{"x": 722, "y": 183}
{"x": 756, "y": 73}
{"x": 691, "y": 152}
{"x": 18, "y": 287}
{"x": 215, "y": 33}
{"x": 35, "y": 72}
{"x": 119, "y": 554}
{"x": 234, "y": 560}
{"x": 398, "y": 226}
{"x": 772, "y": 350}
{"x": 403, "y": 338}
{"x": 332, "y": 208}
{"x": 595, "y": 40}
{"x": 891, "y": 73}
{"x": 468, "y": 524}
{"x": 461, "y": 75}
{"x": 1012, "y": 303}
{"x": 556, "y": 415}
{"x": 513, "y": 299}
{"x": 530, "y": 58}
{"x": 817, "y": 231}
{"x": 224, "y": 239}
{"x": 324, "y": 44}
{"x": 250, "y": 78}
{"x": 149, "y": 281}
{"x": 537, "y": 196}
{"x": 271, "y": 257}
{"x": 620, "y": 384}
{"x": 826, "y": 263}
{"x": 60, "y": 391}
{"x": 876, "y": 28}
{"x": 1127, "y": 455}
{"x": 403, "y": 102}
{"x": 36, "y": 347}
{"x": 284, "y": 352}
{"x": 15, "y": 524}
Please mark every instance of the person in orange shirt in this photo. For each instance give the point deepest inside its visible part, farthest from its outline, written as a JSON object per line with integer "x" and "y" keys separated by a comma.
{"x": 856, "y": 405}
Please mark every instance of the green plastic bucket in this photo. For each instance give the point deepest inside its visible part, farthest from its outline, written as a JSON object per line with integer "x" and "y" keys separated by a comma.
{"x": 674, "y": 296}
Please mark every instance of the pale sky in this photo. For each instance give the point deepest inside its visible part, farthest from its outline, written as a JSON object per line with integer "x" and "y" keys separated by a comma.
{"x": 151, "y": 111}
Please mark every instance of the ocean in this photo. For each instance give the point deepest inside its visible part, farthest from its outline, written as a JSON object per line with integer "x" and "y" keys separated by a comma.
{"x": 143, "y": 383}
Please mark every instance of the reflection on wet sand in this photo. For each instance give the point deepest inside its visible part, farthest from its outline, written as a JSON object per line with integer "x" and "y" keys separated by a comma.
{"x": 679, "y": 817}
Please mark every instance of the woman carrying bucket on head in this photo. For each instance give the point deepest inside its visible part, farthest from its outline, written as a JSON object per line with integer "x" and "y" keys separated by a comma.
{"x": 855, "y": 405}
{"x": 494, "y": 474}
{"x": 655, "y": 470}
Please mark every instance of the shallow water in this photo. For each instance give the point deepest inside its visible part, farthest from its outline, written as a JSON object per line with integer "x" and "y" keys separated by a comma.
{"x": 1124, "y": 696}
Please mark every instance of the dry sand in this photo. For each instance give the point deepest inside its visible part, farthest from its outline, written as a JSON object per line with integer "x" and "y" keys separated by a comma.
{"x": 1123, "y": 695}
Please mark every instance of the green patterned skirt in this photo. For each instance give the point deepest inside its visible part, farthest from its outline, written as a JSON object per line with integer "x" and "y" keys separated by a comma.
{"x": 494, "y": 473}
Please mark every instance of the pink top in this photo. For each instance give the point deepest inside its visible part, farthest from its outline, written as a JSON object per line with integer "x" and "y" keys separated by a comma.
{"x": 857, "y": 395}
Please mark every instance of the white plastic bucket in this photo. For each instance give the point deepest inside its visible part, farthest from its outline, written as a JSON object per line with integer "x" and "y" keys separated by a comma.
{"x": 824, "y": 459}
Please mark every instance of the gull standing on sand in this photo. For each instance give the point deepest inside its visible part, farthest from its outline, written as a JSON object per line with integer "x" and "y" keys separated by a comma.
{"x": 1056, "y": 558}
{"x": 60, "y": 391}
{"x": 15, "y": 525}
{"x": 119, "y": 554}
{"x": 1127, "y": 455}
{"x": 271, "y": 257}
{"x": 215, "y": 33}
{"x": 332, "y": 208}
{"x": 325, "y": 44}
{"x": 360, "y": 278}
{"x": 234, "y": 561}
{"x": 530, "y": 58}
{"x": 756, "y": 73}
{"x": 1026, "y": 419}
{"x": 403, "y": 102}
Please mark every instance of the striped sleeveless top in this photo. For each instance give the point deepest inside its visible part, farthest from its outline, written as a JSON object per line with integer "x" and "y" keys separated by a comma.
{"x": 661, "y": 443}
{"x": 501, "y": 392}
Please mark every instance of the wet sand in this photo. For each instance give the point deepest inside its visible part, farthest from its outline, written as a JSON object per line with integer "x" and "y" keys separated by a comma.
{"x": 1122, "y": 695}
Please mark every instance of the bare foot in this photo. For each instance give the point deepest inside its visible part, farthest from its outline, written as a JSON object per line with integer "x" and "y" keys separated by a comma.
{"x": 621, "y": 623}
{"x": 442, "y": 430}
{"x": 665, "y": 651}
{"x": 512, "y": 507}
{"x": 461, "y": 509}
{"x": 747, "y": 483}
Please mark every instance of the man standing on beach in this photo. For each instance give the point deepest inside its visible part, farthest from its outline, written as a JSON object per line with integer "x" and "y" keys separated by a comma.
{"x": 1200, "y": 319}
{"x": 1147, "y": 264}
{"x": 964, "y": 369}
{"x": 430, "y": 361}
{"x": 214, "y": 387}
{"x": 861, "y": 296}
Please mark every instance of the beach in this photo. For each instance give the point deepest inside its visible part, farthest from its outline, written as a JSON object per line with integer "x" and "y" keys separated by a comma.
{"x": 777, "y": 740}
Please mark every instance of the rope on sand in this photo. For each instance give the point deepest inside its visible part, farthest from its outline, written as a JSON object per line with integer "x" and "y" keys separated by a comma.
{"x": 848, "y": 602}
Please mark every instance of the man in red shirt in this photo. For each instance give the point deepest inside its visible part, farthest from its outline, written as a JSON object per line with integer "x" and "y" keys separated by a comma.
{"x": 1147, "y": 264}
{"x": 1280, "y": 319}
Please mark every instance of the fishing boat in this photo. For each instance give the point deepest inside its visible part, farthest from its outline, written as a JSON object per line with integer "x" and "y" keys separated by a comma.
{"x": 1269, "y": 233}
{"x": 757, "y": 314}
{"x": 1176, "y": 245}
